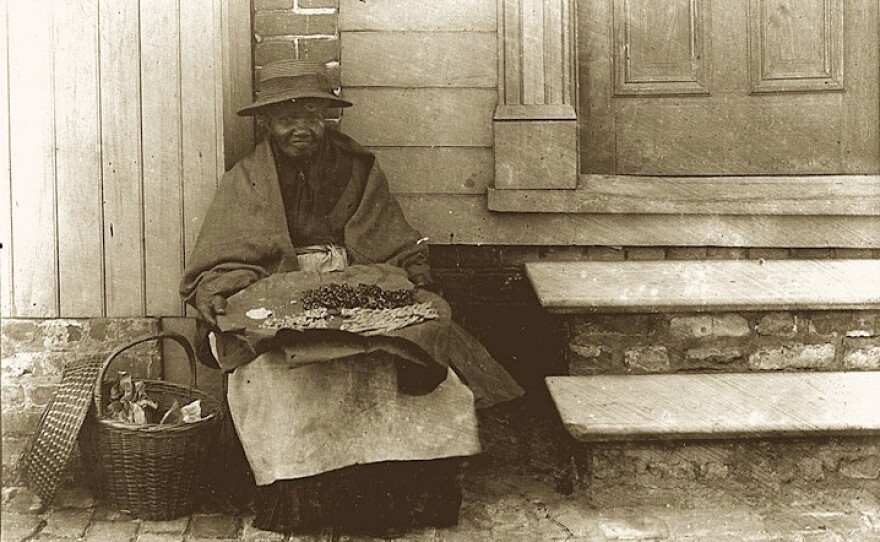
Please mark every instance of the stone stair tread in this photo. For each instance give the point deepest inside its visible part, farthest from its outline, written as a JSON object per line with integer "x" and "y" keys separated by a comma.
{"x": 567, "y": 287}
{"x": 719, "y": 405}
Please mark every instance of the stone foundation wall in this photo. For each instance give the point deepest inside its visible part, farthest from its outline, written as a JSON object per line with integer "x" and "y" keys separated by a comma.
{"x": 682, "y": 471}
{"x": 721, "y": 473}
{"x": 34, "y": 354}
{"x": 731, "y": 342}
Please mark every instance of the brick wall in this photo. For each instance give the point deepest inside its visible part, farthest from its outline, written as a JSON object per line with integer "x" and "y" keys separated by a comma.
{"x": 305, "y": 29}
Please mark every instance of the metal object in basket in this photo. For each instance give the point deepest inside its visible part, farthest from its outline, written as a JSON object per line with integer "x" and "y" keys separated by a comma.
{"x": 152, "y": 471}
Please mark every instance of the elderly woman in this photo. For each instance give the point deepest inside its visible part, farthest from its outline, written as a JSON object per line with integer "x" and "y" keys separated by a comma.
{"x": 334, "y": 443}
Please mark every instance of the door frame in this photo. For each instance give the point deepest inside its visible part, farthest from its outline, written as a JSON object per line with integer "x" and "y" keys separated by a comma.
{"x": 803, "y": 195}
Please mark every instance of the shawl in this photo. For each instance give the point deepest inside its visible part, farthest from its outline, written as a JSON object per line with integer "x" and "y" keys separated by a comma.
{"x": 245, "y": 236}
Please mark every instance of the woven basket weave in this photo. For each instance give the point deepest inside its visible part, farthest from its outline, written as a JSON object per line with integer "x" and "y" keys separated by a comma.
{"x": 47, "y": 456}
{"x": 152, "y": 471}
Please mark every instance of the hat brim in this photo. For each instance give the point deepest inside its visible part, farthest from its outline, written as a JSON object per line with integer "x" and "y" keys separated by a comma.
{"x": 263, "y": 101}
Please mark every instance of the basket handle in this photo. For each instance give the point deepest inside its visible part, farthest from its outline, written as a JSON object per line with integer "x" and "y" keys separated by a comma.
{"x": 176, "y": 337}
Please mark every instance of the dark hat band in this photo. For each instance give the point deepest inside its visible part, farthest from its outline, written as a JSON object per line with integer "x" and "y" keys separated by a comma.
{"x": 311, "y": 82}
{"x": 280, "y": 85}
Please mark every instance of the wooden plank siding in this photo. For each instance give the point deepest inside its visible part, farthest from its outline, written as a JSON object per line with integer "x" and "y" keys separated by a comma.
{"x": 163, "y": 187}
{"x": 406, "y": 15}
{"x": 121, "y": 148}
{"x": 420, "y": 112}
{"x": 78, "y": 159}
{"x": 32, "y": 141}
{"x": 464, "y": 219}
{"x": 199, "y": 161}
{"x": 425, "y": 85}
{"x": 6, "y": 290}
{"x": 112, "y": 148}
{"x": 440, "y": 170}
{"x": 419, "y": 59}
{"x": 420, "y": 117}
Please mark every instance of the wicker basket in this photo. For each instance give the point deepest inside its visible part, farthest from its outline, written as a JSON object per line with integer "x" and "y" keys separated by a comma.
{"x": 152, "y": 471}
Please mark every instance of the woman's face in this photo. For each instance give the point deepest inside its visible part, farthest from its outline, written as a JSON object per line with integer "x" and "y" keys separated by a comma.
{"x": 298, "y": 127}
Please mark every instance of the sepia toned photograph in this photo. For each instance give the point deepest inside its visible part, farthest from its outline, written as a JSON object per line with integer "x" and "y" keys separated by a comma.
{"x": 440, "y": 270}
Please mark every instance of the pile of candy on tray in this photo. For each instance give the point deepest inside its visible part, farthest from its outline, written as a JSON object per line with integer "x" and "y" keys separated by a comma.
{"x": 366, "y": 309}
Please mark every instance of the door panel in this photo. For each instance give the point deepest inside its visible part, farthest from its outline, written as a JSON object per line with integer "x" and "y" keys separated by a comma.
{"x": 718, "y": 136}
{"x": 730, "y": 87}
{"x": 647, "y": 66}
{"x": 796, "y": 45}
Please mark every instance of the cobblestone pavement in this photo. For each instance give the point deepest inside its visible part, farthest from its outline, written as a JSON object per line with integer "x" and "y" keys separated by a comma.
{"x": 509, "y": 496}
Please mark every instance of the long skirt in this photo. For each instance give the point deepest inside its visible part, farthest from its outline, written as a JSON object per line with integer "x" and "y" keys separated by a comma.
{"x": 364, "y": 498}
{"x": 338, "y": 444}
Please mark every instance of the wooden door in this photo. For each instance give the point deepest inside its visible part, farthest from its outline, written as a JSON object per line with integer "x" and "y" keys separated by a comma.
{"x": 729, "y": 87}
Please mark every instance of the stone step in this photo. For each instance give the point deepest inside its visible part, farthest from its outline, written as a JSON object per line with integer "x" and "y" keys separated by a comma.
{"x": 683, "y": 286}
{"x": 714, "y": 406}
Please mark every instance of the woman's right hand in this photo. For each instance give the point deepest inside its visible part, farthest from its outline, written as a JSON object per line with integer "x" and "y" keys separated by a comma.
{"x": 210, "y": 307}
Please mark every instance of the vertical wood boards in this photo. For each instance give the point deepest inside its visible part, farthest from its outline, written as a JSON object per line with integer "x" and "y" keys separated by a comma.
{"x": 553, "y": 51}
{"x": 596, "y": 87}
{"x": 861, "y": 131}
{"x": 161, "y": 108}
{"x": 121, "y": 140}
{"x": 6, "y": 289}
{"x": 512, "y": 69}
{"x": 219, "y": 109}
{"x": 32, "y": 159}
{"x": 532, "y": 51}
{"x": 103, "y": 128}
{"x": 238, "y": 132}
{"x": 198, "y": 116}
{"x": 78, "y": 159}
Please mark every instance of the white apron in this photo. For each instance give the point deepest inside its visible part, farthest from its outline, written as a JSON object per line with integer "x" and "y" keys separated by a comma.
{"x": 301, "y": 421}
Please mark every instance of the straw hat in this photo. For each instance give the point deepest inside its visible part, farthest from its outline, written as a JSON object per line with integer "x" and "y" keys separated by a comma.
{"x": 285, "y": 80}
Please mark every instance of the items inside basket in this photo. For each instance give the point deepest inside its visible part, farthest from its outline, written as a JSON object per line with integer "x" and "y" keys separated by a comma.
{"x": 130, "y": 403}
